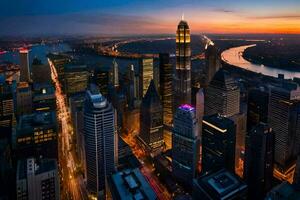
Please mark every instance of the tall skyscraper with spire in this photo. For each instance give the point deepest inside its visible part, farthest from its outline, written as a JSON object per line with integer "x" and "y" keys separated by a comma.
{"x": 182, "y": 79}
{"x": 114, "y": 76}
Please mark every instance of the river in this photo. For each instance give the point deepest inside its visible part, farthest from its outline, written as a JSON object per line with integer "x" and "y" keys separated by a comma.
{"x": 234, "y": 56}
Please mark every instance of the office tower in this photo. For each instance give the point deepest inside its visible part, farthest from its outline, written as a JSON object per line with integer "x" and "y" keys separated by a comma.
{"x": 75, "y": 78}
{"x": 185, "y": 144}
{"x": 151, "y": 121}
{"x": 76, "y": 102}
{"x": 59, "y": 61}
{"x": 284, "y": 118}
{"x": 222, "y": 95}
{"x": 200, "y": 108}
{"x": 146, "y": 75}
{"x": 101, "y": 78}
{"x": 218, "y": 143}
{"x": 131, "y": 184}
{"x": 40, "y": 72}
{"x": 166, "y": 86}
{"x": 7, "y": 172}
{"x": 114, "y": 74}
{"x": 258, "y": 103}
{"x": 296, "y": 181}
{"x": 130, "y": 86}
{"x": 100, "y": 140}
{"x": 182, "y": 78}
{"x": 259, "y": 156}
{"x": 37, "y": 179}
{"x": 24, "y": 65}
{"x": 156, "y": 76}
{"x": 222, "y": 184}
{"x": 44, "y": 99}
{"x": 283, "y": 191}
{"x": 212, "y": 63}
{"x": 6, "y": 100}
{"x": 36, "y": 135}
{"x": 24, "y": 98}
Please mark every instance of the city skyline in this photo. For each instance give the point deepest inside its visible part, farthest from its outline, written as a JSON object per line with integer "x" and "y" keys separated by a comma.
{"x": 88, "y": 115}
{"x": 147, "y": 17}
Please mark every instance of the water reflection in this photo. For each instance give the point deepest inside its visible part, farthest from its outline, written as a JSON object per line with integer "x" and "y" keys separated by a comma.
{"x": 234, "y": 56}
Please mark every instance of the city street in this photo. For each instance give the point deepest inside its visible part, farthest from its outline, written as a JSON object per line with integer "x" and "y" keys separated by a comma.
{"x": 71, "y": 184}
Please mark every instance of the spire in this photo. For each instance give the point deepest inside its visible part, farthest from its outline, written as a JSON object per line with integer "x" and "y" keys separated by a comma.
{"x": 182, "y": 17}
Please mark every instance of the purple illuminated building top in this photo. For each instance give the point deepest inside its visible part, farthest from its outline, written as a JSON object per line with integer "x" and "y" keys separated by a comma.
{"x": 186, "y": 107}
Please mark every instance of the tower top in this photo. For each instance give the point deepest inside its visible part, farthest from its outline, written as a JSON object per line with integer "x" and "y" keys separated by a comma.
{"x": 182, "y": 17}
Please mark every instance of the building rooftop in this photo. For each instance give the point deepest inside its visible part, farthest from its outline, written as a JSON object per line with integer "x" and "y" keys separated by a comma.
{"x": 130, "y": 184}
{"x": 218, "y": 122}
{"x": 284, "y": 191}
{"x": 221, "y": 184}
{"x": 35, "y": 166}
{"x": 28, "y": 123}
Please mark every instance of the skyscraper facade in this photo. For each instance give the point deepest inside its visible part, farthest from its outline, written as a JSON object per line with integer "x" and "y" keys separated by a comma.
{"x": 114, "y": 74}
{"x": 259, "y": 156}
{"x": 185, "y": 144}
{"x": 24, "y": 98}
{"x": 151, "y": 121}
{"x": 218, "y": 143}
{"x": 200, "y": 108}
{"x": 75, "y": 78}
{"x": 182, "y": 79}
{"x": 24, "y": 65}
{"x": 257, "y": 107}
{"x": 100, "y": 140}
{"x": 166, "y": 86}
{"x": 212, "y": 62}
{"x": 284, "y": 118}
{"x": 37, "y": 179}
{"x": 146, "y": 75}
{"x": 222, "y": 95}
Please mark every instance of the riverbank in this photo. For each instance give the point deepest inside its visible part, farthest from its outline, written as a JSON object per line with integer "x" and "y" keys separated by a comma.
{"x": 234, "y": 57}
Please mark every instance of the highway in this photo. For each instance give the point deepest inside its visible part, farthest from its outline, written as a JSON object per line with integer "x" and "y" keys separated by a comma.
{"x": 72, "y": 187}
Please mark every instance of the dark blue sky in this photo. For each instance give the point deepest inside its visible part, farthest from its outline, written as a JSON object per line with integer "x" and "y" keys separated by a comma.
{"x": 44, "y": 17}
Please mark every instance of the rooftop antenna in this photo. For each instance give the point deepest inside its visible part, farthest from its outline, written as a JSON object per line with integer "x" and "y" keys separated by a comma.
{"x": 182, "y": 17}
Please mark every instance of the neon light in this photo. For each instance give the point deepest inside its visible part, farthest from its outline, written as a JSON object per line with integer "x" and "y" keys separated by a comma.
{"x": 186, "y": 107}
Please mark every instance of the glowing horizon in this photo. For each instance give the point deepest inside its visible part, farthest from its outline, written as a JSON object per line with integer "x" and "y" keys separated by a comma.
{"x": 123, "y": 17}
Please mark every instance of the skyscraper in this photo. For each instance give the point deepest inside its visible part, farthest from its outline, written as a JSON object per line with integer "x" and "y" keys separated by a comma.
{"x": 185, "y": 144}
{"x": 24, "y": 98}
{"x": 146, "y": 75}
{"x": 222, "y": 95}
{"x": 75, "y": 78}
{"x": 166, "y": 86}
{"x": 37, "y": 179}
{"x": 182, "y": 79}
{"x": 200, "y": 108}
{"x": 100, "y": 140}
{"x": 114, "y": 75}
{"x": 101, "y": 78}
{"x": 218, "y": 143}
{"x": 130, "y": 86}
{"x": 24, "y": 65}
{"x": 151, "y": 121}
{"x": 212, "y": 62}
{"x": 259, "y": 156}
{"x": 257, "y": 107}
{"x": 284, "y": 118}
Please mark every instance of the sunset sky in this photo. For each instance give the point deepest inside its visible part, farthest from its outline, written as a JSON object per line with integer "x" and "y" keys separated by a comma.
{"x": 120, "y": 17}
